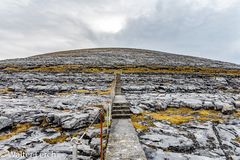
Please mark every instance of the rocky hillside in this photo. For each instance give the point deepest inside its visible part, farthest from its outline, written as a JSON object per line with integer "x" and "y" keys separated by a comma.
{"x": 182, "y": 107}
{"x": 115, "y": 58}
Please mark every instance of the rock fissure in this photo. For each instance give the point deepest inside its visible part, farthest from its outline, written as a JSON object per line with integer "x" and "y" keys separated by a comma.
{"x": 228, "y": 157}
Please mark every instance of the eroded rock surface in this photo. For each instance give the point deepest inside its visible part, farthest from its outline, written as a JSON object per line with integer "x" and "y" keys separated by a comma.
{"x": 185, "y": 116}
{"x": 41, "y": 112}
{"x": 187, "y": 112}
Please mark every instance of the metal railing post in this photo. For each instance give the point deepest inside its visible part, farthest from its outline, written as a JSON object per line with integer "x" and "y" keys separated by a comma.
{"x": 74, "y": 152}
{"x": 107, "y": 118}
{"x": 101, "y": 135}
{"x": 110, "y": 113}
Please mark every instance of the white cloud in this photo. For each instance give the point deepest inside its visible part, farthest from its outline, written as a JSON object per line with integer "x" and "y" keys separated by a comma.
{"x": 107, "y": 24}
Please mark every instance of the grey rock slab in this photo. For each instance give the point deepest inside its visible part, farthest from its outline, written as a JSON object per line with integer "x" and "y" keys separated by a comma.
{"x": 64, "y": 147}
{"x": 192, "y": 103}
{"x": 208, "y": 105}
{"x": 206, "y": 142}
{"x": 80, "y": 157}
{"x": 94, "y": 132}
{"x": 161, "y": 155}
{"x": 39, "y": 88}
{"x": 155, "y": 102}
{"x": 204, "y": 135}
{"x": 236, "y": 104}
{"x": 166, "y": 129}
{"x": 69, "y": 120}
{"x": 143, "y": 106}
{"x": 219, "y": 105}
{"x": 228, "y": 109}
{"x": 123, "y": 142}
{"x": 35, "y": 147}
{"x": 5, "y": 122}
{"x": 136, "y": 110}
{"x": 76, "y": 122}
{"x": 177, "y": 142}
{"x": 95, "y": 142}
{"x": 86, "y": 150}
{"x": 227, "y": 135}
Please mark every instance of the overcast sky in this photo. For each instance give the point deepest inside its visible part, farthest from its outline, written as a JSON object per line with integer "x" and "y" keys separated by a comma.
{"x": 205, "y": 28}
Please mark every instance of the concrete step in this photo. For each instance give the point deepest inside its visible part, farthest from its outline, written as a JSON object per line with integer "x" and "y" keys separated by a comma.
{"x": 120, "y": 104}
{"x": 123, "y": 142}
{"x": 120, "y": 99}
{"x": 120, "y": 108}
{"x": 121, "y": 111}
{"x": 121, "y": 116}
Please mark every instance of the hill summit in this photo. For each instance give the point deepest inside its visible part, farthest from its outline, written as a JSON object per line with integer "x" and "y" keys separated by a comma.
{"x": 113, "y": 57}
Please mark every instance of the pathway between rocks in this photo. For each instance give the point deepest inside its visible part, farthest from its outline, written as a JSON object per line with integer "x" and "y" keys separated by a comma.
{"x": 123, "y": 141}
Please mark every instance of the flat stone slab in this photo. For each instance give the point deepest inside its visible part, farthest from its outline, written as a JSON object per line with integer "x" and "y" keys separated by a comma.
{"x": 123, "y": 142}
{"x": 120, "y": 99}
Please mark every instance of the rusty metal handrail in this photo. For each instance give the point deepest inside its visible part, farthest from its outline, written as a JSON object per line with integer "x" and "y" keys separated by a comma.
{"x": 77, "y": 141}
{"x": 112, "y": 96}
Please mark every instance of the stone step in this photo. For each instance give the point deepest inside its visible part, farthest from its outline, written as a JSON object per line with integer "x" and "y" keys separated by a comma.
{"x": 121, "y": 116}
{"x": 121, "y": 111}
{"x": 120, "y": 99}
{"x": 120, "y": 104}
{"x": 120, "y": 108}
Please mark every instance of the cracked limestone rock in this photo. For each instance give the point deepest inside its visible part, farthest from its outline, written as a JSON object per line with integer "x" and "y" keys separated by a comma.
{"x": 5, "y": 122}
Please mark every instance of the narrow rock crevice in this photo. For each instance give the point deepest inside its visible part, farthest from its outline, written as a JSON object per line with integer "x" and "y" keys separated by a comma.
{"x": 228, "y": 157}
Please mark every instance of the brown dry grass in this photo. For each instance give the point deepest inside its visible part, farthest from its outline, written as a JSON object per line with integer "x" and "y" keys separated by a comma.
{"x": 130, "y": 69}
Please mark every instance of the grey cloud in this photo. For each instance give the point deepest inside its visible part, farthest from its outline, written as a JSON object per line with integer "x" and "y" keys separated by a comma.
{"x": 203, "y": 33}
{"x": 182, "y": 27}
